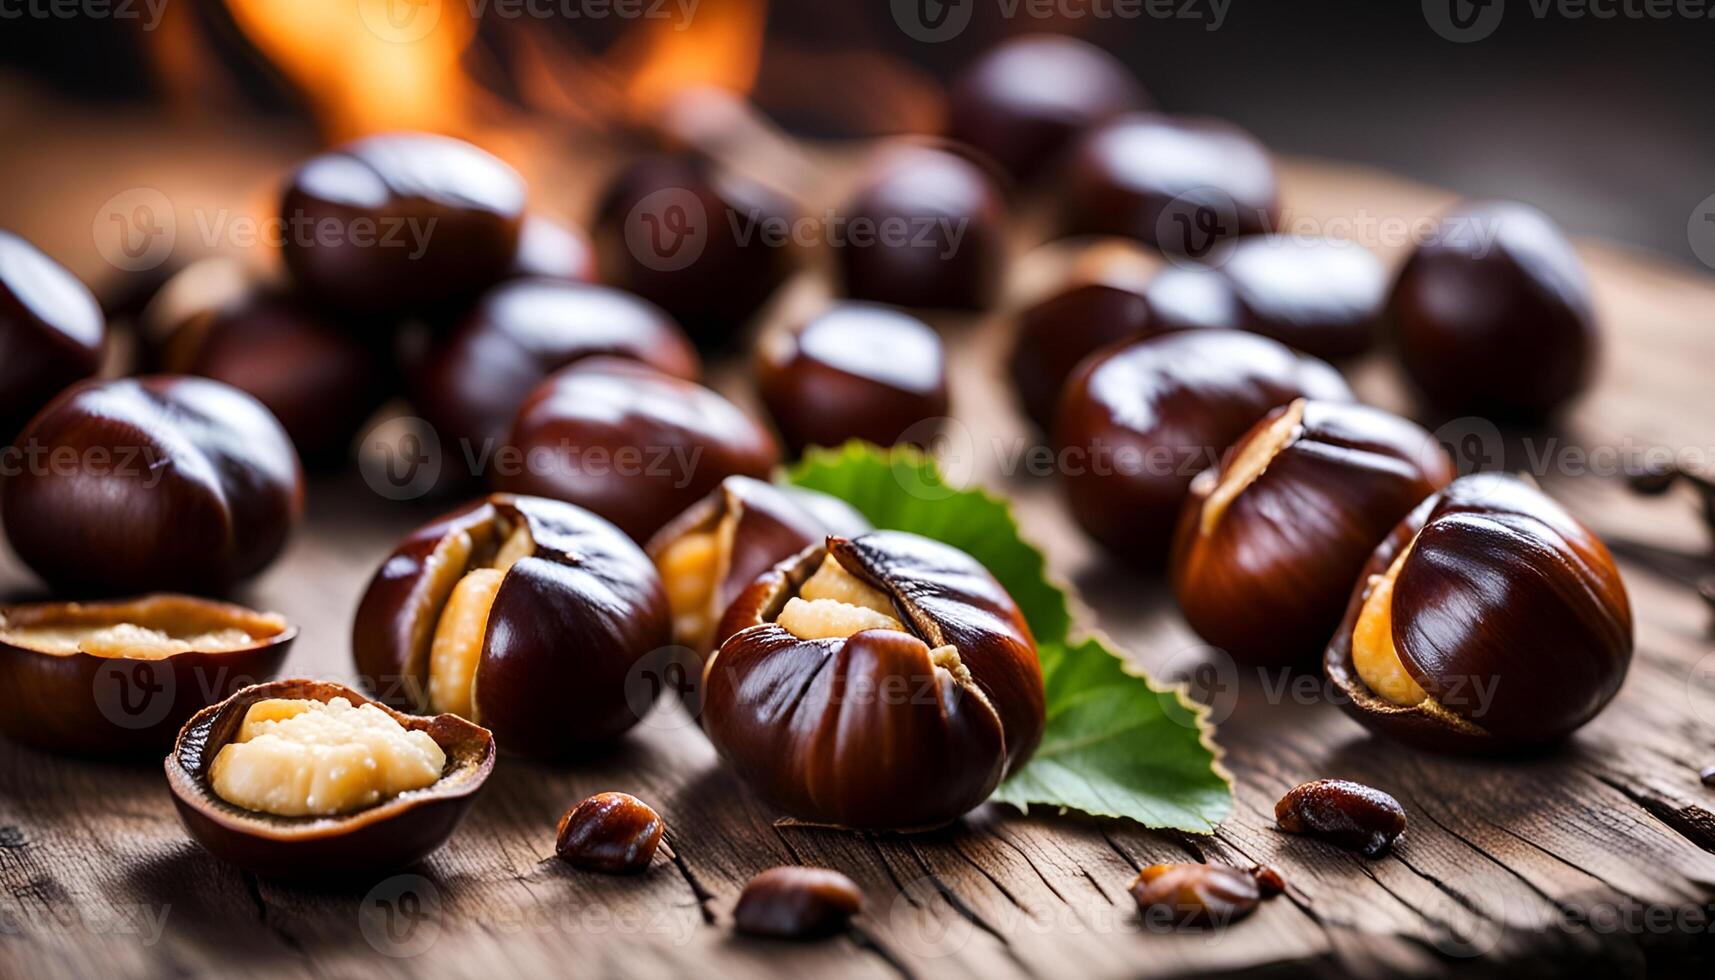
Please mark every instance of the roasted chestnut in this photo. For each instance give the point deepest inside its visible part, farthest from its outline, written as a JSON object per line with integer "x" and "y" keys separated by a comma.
{"x": 1192, "y": 297}
{"x": 1184, "y": 185}
{"x": 924, "y": 228}
{"x": 856, "y": 371}
{"x": 1492, "y": 316}
{"x": 158, "y": 482}
{"x": 609, "y": 833}
{"x": 885, "y": 681}
{"x": 113, "y": 678}
{"x": 632, "y": 444}
{"x": 339, "y": 787}
{"x": 706, "y": 244}
{"x": 720, "y": 544}
{"x": 1343, "y": 813}
{"x": 1139, "y": 421}
{"x": 401, "y": 222}
{"x": 549, "y": 249}
{"x": 1271, "y": 539}
{"x": 794, "y": 902}
{"x": 470, "y": 384}
{"x": 1025, "y": 100}
{"x": 1323, "y": 296}
{"x": 52, "y": 332}
{"x": 1489, "y": 619}
{"x": 1194, "y": 894}
{"x": 522, "y": 614}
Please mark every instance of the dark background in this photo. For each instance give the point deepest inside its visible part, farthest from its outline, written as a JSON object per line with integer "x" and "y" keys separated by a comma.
{"x": 1604, "y": 123}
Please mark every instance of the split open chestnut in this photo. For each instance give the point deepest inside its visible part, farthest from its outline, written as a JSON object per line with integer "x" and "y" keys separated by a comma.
{"x": 1139, "y": 421}
{"x": 1270, "y": 541}
{"x": 117, "y": 678}
{"x": 522, "y": 614}
{"x": 52, "y": 332}
{"x": 1323, "y": 296}
{"x": 1489, "y": 619}
{"x": 885, "y": 681}
{"x": 311, "y": 781}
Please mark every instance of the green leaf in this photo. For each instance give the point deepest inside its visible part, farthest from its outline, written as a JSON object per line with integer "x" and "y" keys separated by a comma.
{"x": 1116, "y": 744}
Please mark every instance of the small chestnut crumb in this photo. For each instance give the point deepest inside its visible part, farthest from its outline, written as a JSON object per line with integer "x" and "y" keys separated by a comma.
{"x": 610, "y": 833}
{"x": 1350, "y": 815}
{"x": 1269, "y": 880}
{"x": 1708, "y": 776}
{"x": 1192, "y": 894}
{"x": 797, "y": 903}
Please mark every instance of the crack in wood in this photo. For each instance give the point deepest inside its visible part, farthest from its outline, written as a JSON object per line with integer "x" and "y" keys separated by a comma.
{"x": 253, "y": 886}
{"x": 703, "y": 896}
{"x": 1690, "y": 821}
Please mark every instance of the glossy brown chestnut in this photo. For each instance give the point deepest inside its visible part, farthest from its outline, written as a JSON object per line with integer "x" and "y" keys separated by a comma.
{"x": 1023, "y": 102}
{"x": 609, "y": 833}
{"x": 794, "y": 902}
{"x": 1270, "y": 541}
{"x": 549, "y": 249}
{"x": 1493, "y": 316}
{"x": 470, "y": 384}
{"x": 116, "y": 678}
{"x": 925, "y": 228}
{"x": 630, "y": 443}
{"x": 158, "y": 482}
{"x": 1192, "y": 297}
{"x": 842, "y": 713}
{"x": 1193, "y": 894}
{"x": 722, "y": 543}
{"x": 1140, "y": 420}
{"x": 1323, "y": 296}
{"x": 52, "y": 332}
{"x": 1182, "y": 184}
{"x": 523, "y": 614}
{"x": 382, "y": 838}
{"x": 1489, "y": 619}
{"x": 1346, "y": 814}
{"x": 707, "y": 245}
{"x": 401, "y": 222}
{"x": 856, "y": 371}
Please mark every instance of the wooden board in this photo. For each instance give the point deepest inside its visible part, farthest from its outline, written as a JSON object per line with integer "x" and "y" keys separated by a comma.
{"x": 1600, "y": 856}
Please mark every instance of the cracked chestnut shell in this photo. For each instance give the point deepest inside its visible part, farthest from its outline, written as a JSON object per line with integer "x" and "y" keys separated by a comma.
{"x": 906, "y": 727}
{"x": 381, "y": 838}
{"x": 524, "y": 614}
{"x": 80, "y": 677}
{"x": 1270, "y": 541}
{"x": 162, "y": 482}
{"x": 1489, "y": 619}
{"x": 52, "y": 331}
{"x": 1139, "y": 421}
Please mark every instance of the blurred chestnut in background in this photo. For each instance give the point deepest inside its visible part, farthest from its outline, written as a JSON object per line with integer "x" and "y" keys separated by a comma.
{"x": 1489, "y": 619}
{"x": 706, "y": 244}
{"x": 924, "y": 228}
{"x": 401, "y": 222}
{"x": 1493, "y": 316}
{"x": 523, "y": 615}
{"x": 632, "y": 444}
{"x": 1323, "y": 296}
{"x": 1139, "y": 421}
{"x": 885, "y": 681}
{"x": 1188, "y": 297}
{"x": 1181, "y": 184}
{"x": 162, "y": 482}
{"x": 1023, "y": 101}
{"x": 470, "y": 383}
{"x": 855, "y": 371}
{"x": 552, "y": 249}
{"x": 1270, "y": 541}
{"x": 52, "y": 332}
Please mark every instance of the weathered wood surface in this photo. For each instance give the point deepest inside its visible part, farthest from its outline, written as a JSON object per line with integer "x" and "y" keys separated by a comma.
{"x": 1600, "y": 856}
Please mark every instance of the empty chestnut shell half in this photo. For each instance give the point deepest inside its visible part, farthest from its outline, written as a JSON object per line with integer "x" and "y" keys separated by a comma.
{"x": 1270, "y": 541}
{"x": 522, "y": 614}
{"x": 52, "y": 331}
{"x": 160, "y": 482}
{"x": 1489, "y": 619}
{"x": 381, "y": 838}
{"x": 121, "y": 677}
{"x": 1322, "y": 296}
{"x": 885, "y": 681}
{"x": 1139, "y": 421}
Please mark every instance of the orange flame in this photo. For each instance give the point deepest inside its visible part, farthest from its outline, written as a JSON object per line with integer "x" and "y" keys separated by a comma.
{"x": 718, "y": 47}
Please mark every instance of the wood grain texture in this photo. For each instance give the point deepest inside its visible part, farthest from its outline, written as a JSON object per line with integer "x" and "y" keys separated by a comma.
{"x": 1599, "y": 856}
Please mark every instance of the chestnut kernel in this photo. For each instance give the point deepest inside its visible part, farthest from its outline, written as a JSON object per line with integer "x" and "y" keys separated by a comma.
{"x": 1269, "y": 881}
{"x": 1493, "y": 315}
{"x": 1138, "y": 421}
{"x": 1322, "y": 296}
{"x": 472, "y": 614}
{"x": 610, "y": 833}
{"x": 1270, "y": 591}
{"x": 794, "y": 902}
{"x": 857, "y": 371}
{"x": 1193, "y": 894}
{"x": 180, "y": 483}
{"x": 1347, "y": 814}
{"x": 1489, "y": 619}
{"x": 883, "y": 639}
{"x": 630, "y": 443}
{"x": 52, "y": 332}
